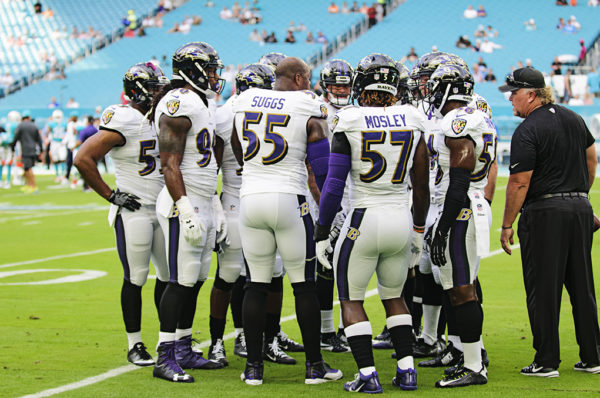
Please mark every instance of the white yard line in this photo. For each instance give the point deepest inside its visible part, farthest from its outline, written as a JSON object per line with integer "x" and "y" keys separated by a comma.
{"x": 128, "y": 368}
{"x": 41, "y": 260}
{"x": 60, "y": 213}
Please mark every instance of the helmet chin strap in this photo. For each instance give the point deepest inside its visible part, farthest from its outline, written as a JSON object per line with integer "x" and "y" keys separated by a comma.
{"x": 438, "y": 110}
{"x": 335, "y": 101}
{"x": 209, "y": 94}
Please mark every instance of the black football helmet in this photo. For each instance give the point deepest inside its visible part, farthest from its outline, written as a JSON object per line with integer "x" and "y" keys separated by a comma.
{"x": 190, "y": 63}
{"x": 255, "y": 75}
{"x": 336, "y": 72}
{"x": 449, "y": 82}
{"x": 375, "y": 72}
{"x": 272, "y": 59}
{"x": 404, "y": 93}
{"x": 141, "y": 81}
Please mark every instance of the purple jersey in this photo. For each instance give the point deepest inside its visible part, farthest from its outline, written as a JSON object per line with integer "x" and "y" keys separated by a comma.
{"x": 87, "y": 132}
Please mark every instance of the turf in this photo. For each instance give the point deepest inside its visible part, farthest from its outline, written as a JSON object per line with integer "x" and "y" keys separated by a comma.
{"x": 62, "y": 333}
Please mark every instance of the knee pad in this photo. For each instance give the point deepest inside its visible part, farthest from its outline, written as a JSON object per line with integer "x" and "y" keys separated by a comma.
{"x": 307, "y": 287}
{"x": 276, "y": 285}
{"x": 222, "y": 285}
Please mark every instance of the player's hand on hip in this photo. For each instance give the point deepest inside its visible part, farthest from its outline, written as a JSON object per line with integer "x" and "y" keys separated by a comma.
{"x": 438, "y": 248}
{"x": 220, "y": 220}
{"x": 416, "y": 246}
{"x": 506, "y": 237}
{"x": 124, "y": 199}
{"x": 189, "y": 222}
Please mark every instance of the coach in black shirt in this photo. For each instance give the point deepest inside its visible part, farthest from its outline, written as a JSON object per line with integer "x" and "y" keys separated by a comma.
{"x": 552, "y": 167}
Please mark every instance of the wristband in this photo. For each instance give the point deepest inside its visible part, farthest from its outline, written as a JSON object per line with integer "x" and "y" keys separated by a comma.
{"x": 510, "y": 227}
{"x": 418, "y": 229}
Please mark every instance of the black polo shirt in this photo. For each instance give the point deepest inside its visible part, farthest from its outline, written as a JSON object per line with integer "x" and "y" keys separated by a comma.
{"x": 552, "y": 142}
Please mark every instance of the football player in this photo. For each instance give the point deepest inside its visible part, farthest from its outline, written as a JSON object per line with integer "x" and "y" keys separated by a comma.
{"x": 56, "y": 129}
{"x": 187, "y": 205}
{"x": 274, "y": 214}
{"x": 230, "y": 257}
{"x": 336, "y": 83}
{"x": 6, "y": 139}
{"x": 381, "y": 147}
{"x": 271, "y": 59}
{"x": 127, "y": 135}
{"x": 465, "y": 155}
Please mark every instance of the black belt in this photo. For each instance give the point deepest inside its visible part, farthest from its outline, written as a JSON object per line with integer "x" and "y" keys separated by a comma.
{"x": 582, "y": 195}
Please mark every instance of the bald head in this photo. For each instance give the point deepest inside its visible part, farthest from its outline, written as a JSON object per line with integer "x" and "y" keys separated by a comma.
{"x": 292, "y": 74}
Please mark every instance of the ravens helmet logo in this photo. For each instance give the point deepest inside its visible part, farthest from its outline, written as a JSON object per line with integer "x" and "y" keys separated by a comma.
{"x": 458, "y": 125}
{"x": 107, "y": 116}
{"x": 173, "y": 106}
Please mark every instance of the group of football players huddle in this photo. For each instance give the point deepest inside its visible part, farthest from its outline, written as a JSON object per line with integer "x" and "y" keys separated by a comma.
{"x": 399, "y": 185}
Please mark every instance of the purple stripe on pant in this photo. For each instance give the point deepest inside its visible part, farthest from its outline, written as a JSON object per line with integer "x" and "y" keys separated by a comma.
{"x": 122, "y": 246}
{"x": 461, "y": 274}
{"x": 173, "y": 247}
{"x": 344, "y": 256}
{"x": 311, "y": 260}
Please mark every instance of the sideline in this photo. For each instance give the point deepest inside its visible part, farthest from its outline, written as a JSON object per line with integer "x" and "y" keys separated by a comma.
{"x": 128, "y": 368}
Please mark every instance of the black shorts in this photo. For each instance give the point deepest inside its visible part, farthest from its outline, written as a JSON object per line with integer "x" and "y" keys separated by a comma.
{"x": 28, "y": 162}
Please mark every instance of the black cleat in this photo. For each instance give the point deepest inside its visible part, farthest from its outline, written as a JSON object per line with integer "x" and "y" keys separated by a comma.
{"x": 216, "y": 352}
{"x": 189, "y": 359}
{"x": 383, "y": 341}
{"x": 447, "y": 358}
{"x": 331, "y": 342}
{"x": 463, "y": 378}
{"x": 540, "y": 371}
{"x": 239, "y": 346}
{"x": 166, "y": 366}
{"x": 423, "y": 350}
{"x": 587, "y": 367}
{"x": 368, "y": 384}
{"x": 139, "y": 356}
{"x": 406, "y": 379}
{"x": 273, "y": 353}
{"x": 485, "y": 360}
{"x": 320, "y": 372}
{"x": 253, "y": 374}
{"x": 287, "y": 344}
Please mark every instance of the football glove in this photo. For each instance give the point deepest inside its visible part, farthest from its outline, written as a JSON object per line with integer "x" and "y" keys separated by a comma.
{"x": 220, "y": 221}
{"x": 189, "y": 222}
{"x": 416, "y": 247}
{"x": 438, "y": 248}
{"x": 124, "y": 199}
{"x": 323, "y": 245}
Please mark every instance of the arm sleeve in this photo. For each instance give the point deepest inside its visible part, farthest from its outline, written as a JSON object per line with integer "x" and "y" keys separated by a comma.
{"x": 333, "y": 189}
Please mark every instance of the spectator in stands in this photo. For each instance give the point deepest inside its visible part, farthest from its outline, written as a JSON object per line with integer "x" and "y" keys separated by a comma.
{"x": 568, "y": 92}
{"x": 481, "y": 62}
{"x": 488, "y": 46}
{"x": 561, "y": 2}
{"x": 197, "y": 20}
{"x": 53, "y": 104}
{"x": 236, "y": 10}
{"x": 271, "y": 38}
{"x": 48, "y": 13}
{"x": 470, "y": 13}
{"x": 491, "y": 32}
{"x": 490, "y": 77}
{"x": 412, "y": 56}
{"x": 477, "y": 46}
{"x": 556, "y": 67}
{"x": 225, "y": 13}
{"x": 147, "y": 22}
{"x": 530, "y": 24}
{"x": 582, "y": 51}
{"x": 309, "y": 38}
{"x": 301, "y": 27}
{"x": 255, "y": 36}
{"x": 333, "y": 8}
{"x": 481, "y": 13}
{"x": 57, "y": 34}
{"x": 141, "y": 32}
{"x": 561, "y": 24}
{"x": 480, "y": 31}
{"x": 321, "y": 38}
{"x": 364, "y": 9}
{"x": 37, "y": 7}
{"x": 478, "y": 73}
{"x": 187, "y": 20}
{"x": 54, "y": 74}
{"x": 463, "y": 42}
{"x": 345, "y": 8}
{"x": 290, "y": 37}
{"x": 6, "y": 80}
{"x": 372, "y": 15}
{"x": 209, "y": 4}
{"x": 355, "y": 7}
{"x": 74, "y": 33}
{"x": 71, "y": 103}
{"x": 592, "y": 3}
{"x": 174, "y": 29}
{"x": 572, "y": 25}
{"x": 594, "y": 82}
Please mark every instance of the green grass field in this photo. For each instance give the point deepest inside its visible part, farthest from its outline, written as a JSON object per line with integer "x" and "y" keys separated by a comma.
{"x": 57, "y": 334}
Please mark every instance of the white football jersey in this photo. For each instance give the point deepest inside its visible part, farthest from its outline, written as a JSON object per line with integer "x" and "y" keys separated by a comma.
{"x": 383, "y": 142}
{"x": 198, "y": 167}
{"x": 230, "y": 169}
{"x": 271, "y": 125}
{"x": 137, "y": 165}
{"x": 331, "y": 112}
{"x": 475, "y": 124}
{"x": 478, "y": 102}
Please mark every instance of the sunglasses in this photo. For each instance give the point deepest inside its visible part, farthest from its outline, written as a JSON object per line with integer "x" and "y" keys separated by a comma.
{"x": 510, "y": 80}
